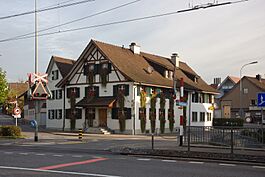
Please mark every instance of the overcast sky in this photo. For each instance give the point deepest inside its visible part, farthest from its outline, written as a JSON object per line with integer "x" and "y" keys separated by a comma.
{"x": 215, "y": 42}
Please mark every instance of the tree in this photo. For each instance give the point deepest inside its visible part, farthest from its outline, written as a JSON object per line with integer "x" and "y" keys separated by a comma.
{"x": 3, "y": 87}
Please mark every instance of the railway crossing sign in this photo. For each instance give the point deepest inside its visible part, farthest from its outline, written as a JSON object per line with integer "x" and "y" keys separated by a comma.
{"x": 261, "y": 99}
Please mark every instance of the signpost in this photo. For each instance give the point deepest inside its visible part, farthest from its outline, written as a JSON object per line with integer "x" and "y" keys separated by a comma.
{"x": 261, "y": 104}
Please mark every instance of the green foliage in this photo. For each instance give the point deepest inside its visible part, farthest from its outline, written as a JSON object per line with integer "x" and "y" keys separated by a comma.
{"x": 3, "y": 87}
{"x": 10, "y": 130}
{"x": 236, "y": 122}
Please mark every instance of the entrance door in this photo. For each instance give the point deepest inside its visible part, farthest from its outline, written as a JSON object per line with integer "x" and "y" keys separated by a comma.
{"x": 102, "y": 114}
{"x": 227, "y": 112}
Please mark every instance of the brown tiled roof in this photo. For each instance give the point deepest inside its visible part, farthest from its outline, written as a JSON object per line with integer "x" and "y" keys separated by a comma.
{"x": 234, "y": 79}
{"x": 64, "y": 65}
{"x": 135, "y": 66}
{"x": 19, "y": 88}
{"x": 260, "y": 84}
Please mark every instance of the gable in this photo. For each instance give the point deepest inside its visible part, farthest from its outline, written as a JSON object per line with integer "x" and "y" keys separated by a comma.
{"x": 94, "y": 59}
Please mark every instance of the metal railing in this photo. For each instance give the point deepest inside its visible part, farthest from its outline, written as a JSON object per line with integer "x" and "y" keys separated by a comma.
{"x": 227, "y": 136}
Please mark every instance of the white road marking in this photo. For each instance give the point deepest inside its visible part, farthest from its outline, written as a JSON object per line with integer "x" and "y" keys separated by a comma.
{"x": 227, "y": 164}
{"x": 171, "y": 161}
{"x": 144, "y": 159}
{"x": 57, "y": 155}
{"x": 8, "y": 152}
{"x": 78, "y": 156}
{"x": 58, "y": 172}
{"x": 40, "y": 154}
{"x": 262, "y": 167}
{"x": 24, "y": 153}
{"x": 194, "y": 162}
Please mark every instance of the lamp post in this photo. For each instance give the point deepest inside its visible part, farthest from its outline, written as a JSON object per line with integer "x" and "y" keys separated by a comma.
{"x": 240, "y": 89}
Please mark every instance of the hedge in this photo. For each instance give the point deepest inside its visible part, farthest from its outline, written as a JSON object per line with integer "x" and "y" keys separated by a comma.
{"x": 237, "y": 122}
{"x": 10, "y": 130}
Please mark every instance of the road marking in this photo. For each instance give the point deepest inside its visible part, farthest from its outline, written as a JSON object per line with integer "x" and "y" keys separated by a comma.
{"x": 71, "y": 164}
{"x": 8, "y": 152}
{"x": 261, "y": 167}
{"x": 79, "y": 156}
{"x": 24, "y": 153}
{"x": 57, "y": 155}
{"x": 227, "y": 164}
{"x": 58, "y": 172}
{"x": 171, "y": 161}
{"x": 144, "y": 159}
{"x": 194, "y": 162}
{"x": 40, "y": 154}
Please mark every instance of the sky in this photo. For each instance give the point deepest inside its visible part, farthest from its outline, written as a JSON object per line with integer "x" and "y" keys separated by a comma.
{"x": 215, "y": 42}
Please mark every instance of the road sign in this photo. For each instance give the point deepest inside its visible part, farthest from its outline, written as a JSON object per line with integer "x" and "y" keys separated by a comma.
{"x": 261, "y": 99}
{"x": 33, "y": 123}
{"x": 17, "y": 111}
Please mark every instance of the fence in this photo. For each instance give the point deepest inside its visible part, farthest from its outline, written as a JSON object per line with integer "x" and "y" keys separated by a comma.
{"x": 226, "y": 136}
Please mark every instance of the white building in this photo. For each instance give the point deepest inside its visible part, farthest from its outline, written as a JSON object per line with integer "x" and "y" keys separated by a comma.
{"x": 125, "y": 90}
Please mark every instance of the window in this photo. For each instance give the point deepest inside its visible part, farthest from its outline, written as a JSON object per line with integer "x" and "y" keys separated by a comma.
{"x": 55, "y": 75}
{"x": 92, "y": 91}
{"x": 253, "y": 103}
{"x": 77, "y": 113}
{"x": 59, "y": 114}
{"x": 202, "y": 116}
{"x": 209, "y": 116}
{"x": 206, "y": 98}
{"x": 194, "y": 117}
{"x": 201, "y": 98}
{"x": 73, "y": 90}
{"x": 59, "y": 94}
{"x": 53, "y": 95}
{"x": 51, "y": 114}
{"x": 195, "y": 97}
{"x": 245, "y": 91}
{"x": 115, "y": 113}
{"x": 122, "y": 87}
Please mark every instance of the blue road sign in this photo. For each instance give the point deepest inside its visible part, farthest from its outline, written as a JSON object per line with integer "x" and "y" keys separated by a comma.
{"x": 261, "y": 99}
{"x": 33, "y": 123}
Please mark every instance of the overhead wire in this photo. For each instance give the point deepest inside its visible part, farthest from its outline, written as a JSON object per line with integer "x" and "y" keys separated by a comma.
{"x": 72, "y": 21}
{"x": 46, "y": 9}
{"x": 198, "y": 7}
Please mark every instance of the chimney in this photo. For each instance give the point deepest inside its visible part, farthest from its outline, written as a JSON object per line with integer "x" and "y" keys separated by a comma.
{"x": 258, "y": 77}
{"x": 175, "y": 59}
{"x": 135, "y": 48}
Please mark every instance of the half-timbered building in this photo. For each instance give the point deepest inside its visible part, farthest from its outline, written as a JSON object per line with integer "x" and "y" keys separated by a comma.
{"x": 130, "y": 91}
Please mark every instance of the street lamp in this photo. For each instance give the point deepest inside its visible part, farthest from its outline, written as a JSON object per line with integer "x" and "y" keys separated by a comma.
{"x": 240, "y": 90}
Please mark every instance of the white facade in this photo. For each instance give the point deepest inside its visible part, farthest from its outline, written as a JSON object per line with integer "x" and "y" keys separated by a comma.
{"x": 78, "y": 79}
{"x": 56, "y": 103}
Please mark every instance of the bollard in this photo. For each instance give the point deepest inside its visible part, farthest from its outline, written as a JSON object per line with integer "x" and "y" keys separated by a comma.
{"x": 152, "y": 141}
{"x": 80, "y": 134}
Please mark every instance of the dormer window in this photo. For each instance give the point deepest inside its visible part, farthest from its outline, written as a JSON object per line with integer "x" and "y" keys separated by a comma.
{"x": 170, "y": 75}
{"x": 196, "y": 79}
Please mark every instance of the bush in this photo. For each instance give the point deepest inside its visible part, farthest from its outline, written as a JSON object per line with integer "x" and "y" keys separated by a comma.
{"x": 235, "y": 122}
{"x": 10, "y": 130}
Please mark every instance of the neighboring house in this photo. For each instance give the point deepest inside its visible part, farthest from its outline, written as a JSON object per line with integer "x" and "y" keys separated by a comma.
{"x": 230, "y": 104}
{"x": 57, "y": 69}
{"x": 123, "y": 88}
{"x": 14, "y": 90}
{"x": 228, "y": 83}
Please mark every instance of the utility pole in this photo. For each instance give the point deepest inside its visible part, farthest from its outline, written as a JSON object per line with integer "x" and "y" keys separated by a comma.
{"x": 36, "y": 70}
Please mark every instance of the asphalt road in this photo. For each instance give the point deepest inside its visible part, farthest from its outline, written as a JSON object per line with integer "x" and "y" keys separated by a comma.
{"x": 75, "y": 160}
{"x": 64, "y": 156}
